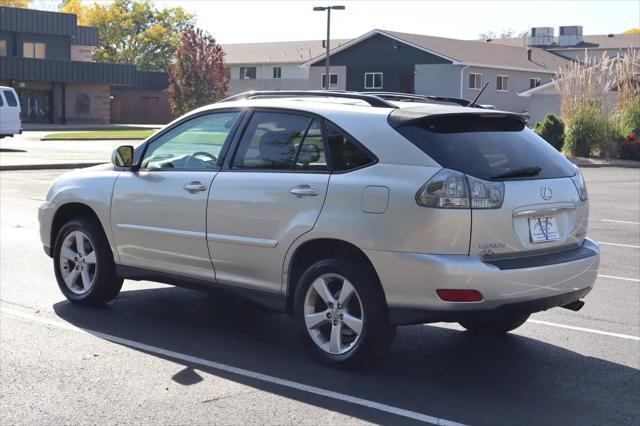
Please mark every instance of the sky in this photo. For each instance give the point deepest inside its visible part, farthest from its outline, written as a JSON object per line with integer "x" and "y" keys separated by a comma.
{"x": 254, "y": 21}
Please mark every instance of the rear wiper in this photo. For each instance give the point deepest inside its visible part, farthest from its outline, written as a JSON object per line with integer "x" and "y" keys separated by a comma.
{"x": 516, "y": 173}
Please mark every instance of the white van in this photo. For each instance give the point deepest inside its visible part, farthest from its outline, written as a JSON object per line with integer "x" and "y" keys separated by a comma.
{"x": 10, "y": 114}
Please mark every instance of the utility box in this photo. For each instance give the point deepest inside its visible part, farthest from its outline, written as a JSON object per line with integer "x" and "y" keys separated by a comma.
{"x": 541, "y": 36}
{"x": 570, "y": 35}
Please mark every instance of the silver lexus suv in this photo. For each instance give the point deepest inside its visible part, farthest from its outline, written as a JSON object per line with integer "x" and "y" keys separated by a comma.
{"x": 351, "y": 212}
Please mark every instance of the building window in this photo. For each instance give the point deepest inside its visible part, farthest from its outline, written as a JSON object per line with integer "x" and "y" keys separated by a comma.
{"x": 333, "y": 81}
{"x": 373, "y": 80}
{"x": 83, "y": 103}
{"x": 475, "y": 80}
{"x": 277, "y": 72}
{"x": 502, "y": 83}
{"x": 3, "y": 47}
{"x": 34, "y": 50}
{"x": 534, "y": 82}
{"x": 247, "y": 73}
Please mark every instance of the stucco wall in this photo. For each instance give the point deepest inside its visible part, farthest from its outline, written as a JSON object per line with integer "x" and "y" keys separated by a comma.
{"x": 437, "y": 80}
{"x": 293, "y": 77}
{"x": 99, "y": 108}
{"x": 541, "y": 105}
{"x": 315, "y": 77}
{"x": 507, "y": 101}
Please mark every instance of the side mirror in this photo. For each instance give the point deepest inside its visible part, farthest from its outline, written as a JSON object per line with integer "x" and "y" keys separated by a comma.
{"x": 122, "y": 156}
{"x": 308, "y": 154}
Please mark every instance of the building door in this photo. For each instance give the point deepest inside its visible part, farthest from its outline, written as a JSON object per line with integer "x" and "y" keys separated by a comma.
{"x": 36, "y": 105}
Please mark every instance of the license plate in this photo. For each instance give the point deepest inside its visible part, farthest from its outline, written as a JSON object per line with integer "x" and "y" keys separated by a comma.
{"x": 543, "y": 229}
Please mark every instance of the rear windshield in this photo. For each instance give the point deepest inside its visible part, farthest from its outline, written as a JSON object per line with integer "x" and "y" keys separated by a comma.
{"x": 486, "y": 147}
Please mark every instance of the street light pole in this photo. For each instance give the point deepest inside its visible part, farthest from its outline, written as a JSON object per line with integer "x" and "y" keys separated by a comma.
{"x": 327, "y": 77}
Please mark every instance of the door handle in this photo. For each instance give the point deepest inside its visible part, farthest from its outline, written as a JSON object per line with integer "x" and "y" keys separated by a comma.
{"x": 304, "y": 191}
{"x": 195, "y": 186}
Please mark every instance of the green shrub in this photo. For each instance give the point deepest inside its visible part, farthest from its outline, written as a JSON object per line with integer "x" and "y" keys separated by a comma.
{"x": 630, "y": 116}
{"x": 551, "y": 129}
{"x": 589, "y": 132}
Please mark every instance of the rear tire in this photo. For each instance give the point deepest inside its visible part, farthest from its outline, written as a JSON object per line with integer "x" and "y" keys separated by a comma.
{"x": 495, "y": 326}
{"x": 83, "y": 263}
{"x": 341, "y": 314}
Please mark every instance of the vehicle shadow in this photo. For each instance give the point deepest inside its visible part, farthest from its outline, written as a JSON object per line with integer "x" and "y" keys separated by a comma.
{"x": 432, "y": 370}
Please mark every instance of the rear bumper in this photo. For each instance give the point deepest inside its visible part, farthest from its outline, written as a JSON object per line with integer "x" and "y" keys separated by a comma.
{"x": 522, "y": 285}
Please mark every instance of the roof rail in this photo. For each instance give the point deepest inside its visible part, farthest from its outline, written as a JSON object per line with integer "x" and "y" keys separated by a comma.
{"x": 372, "y": 100}
{"x": 410, "y": 97}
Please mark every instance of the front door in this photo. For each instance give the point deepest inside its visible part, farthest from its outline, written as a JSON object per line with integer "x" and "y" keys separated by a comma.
{"x": 158, "y": 213}
{"x": 270, "y": 193}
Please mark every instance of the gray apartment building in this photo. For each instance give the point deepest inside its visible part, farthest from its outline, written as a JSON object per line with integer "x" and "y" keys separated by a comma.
{"x": 46, "y": 57}
{"x": 383, "y": 60}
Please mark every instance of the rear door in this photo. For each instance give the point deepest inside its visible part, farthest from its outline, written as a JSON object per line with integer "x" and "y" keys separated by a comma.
{"x": 541, "y": 209}
{"x": 10, "y": 120}
{"x": 270, "y": 192}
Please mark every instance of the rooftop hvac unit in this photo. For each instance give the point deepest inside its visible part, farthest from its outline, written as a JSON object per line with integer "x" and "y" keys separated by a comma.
{"x": 541, "y": 36}
{"x": 570, "y": 35}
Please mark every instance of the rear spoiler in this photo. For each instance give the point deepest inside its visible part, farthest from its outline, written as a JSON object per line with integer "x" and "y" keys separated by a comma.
{"x": 413, "y": 116}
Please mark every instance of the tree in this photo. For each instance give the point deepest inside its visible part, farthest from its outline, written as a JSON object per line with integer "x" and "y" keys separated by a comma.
{"x": 508, "y": 33}
{"x": 135, "y": 32}
{"x": 15, "y": 3}
{"x": 198, "y": 77}
{"x": 632, "y": 31}
{"x": 77, "y": 8}
{"x": 551, "y": 129}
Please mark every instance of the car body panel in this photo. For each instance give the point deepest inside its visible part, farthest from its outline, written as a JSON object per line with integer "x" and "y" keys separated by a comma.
{"x": 252, "y": 220}
{"x": 10, "y": 123}
{"x": 158, "y": 224}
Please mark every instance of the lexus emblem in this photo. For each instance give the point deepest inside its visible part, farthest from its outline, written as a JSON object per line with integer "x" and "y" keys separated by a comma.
{"x": 546, "y": 193}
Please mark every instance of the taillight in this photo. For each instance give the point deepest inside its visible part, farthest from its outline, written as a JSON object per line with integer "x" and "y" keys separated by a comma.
{"x": 580, "y": 184}
{"x": 20, "y": 116}
{"x": 449, "y": 189}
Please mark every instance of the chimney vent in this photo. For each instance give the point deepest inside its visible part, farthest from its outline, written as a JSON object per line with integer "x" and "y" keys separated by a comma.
{"x": 529, "y": 54}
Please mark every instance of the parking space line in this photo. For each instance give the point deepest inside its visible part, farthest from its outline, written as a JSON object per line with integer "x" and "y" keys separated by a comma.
{"x": 240, "y": 371}
{"x": 635, "y": 280}
{"x": 618, "y": 245}
{"x": 586, "y": 330}
{"x": 628, "y": 222}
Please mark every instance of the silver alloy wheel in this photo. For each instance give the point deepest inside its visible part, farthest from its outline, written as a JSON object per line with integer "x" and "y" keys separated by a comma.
{"x": 78, "y": 264}
{"x": 333, "y": 314}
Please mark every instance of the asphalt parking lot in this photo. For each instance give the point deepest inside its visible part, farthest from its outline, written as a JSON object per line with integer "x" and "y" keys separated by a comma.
{"x": 159, "y": 354}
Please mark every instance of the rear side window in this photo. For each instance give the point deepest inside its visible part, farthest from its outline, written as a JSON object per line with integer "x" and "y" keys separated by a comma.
{"x": 271, "y": 141}
{"x": 485, "y": 146}
{"x": 345, "y": 153}
{"x": 11, "y": 98}
{"x": 1, "y": 101}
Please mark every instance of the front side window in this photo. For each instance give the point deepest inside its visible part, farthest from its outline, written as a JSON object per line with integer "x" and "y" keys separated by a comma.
{"x": 534, "y": 82}
{"x": 333, "y": 82}
{"x": 373, "y": 80}
{"x": 247, "y": 73}
{"x": 195, "y": 144}
{"x": 3, "y": 47}
{"x": 475, "y": 81}
{"x": 502, "y": 83}
{"x": 277, "y": 72}
{"x": 272, "y": 141}
{"x": 345, "y": 153}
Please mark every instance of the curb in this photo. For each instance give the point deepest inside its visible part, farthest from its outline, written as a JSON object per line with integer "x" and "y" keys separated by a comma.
{"x": 596, "y": 166}
{"x": 47, "y": 166}
{"x": 92, "y": 139}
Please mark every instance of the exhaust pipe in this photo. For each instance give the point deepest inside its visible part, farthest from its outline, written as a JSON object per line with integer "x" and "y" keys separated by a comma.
{"x": 574, "y": 306}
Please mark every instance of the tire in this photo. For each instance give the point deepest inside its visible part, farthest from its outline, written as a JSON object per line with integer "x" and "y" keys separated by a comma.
{"x": 365, "y": 310}
{"x": 89, "y": 278}
{"x": 495, "y": 326}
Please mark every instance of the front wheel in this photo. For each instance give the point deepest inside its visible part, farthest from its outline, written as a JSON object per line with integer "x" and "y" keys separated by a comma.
{"x": 495, "y": 326}
{"x": 84, "y": 265}
{"x": 341, "y": 314}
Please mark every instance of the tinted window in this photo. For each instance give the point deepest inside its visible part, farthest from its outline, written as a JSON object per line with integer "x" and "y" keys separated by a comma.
{"x": 311, "y": 154}
{"x": 195, "y": 144}
{"x": 11, "y": 98}
{"x": 485, "y": 146}
{"x": 1, "y": 101}
{"x": 270, "y": 141}
{"x": 345, "y": 154}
